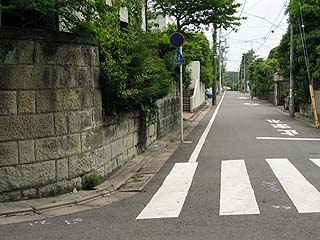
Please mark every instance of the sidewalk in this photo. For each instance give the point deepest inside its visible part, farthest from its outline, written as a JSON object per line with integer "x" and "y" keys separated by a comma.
{"x": 128, "y": 181}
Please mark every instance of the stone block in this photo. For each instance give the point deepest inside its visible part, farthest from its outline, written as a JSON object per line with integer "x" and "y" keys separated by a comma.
{"x": 8, "y": 52}
{"x": 96, "y": 77}
{"x": 57, "y": 147}
{"x": 8, "y": 102}
{"x": 67, "y": 122}
{"x": 151, "y": 131}
{"x": 16, "y": 51}
{"x": 97, "y": 117}
{"x": 61, "y": 123}
{"x": 10, "y": 196}
{"x": 8, "y": 153}
{"x": 26, "y": 151}
{"x": 133, "y": 125}
{"x": 4, "y": 183}
{"x": 111, "y": 167}
{"x": 25, "y": 51}
{"x": 49, "y": 190}
{"x": 122, "y": 129}
{"x": 26, "y": 102}
{"x": 22, "y": 127}
{"x": 64, "y": 76}
{"x": 86, "y": 120}
{"x": 128, "y": 141}
{"x": 92, "y": 139}
{"x": 132, "y": 153}
{"x": 62, "y": 169}
{"x": 73, "y": 122}
{"x": 81, "y": 164}
{"x": 122, "y": 159}
{"x": 24, "y": 77}
{"x": 103, "y": 155}
{"x": 85, "y": 77}
{"x": 30, "y": 193}
{"x": 91, "y": 98}
{"x": 28, "y": 175}
{"x": 76, "y": 183}
{"x": 55, "y": 53}
{"x": 58, "y": 100}
{"x": 117, "y": 148}
{"x": 136, "y": 138}
{"x": 110, "y": 133}
{"x": 89, "y": 55}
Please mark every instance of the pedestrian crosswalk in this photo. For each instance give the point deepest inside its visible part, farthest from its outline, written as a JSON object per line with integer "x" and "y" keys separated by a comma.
{"x": 237, "y": 196}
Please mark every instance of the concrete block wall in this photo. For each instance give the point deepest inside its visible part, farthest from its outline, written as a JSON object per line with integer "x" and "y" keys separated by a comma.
{"x": 52, "y": 127}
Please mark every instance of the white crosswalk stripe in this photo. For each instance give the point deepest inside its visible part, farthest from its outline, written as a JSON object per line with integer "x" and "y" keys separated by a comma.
{"x": 237, "y": 196}
{"x": 170, "y": 198}
{"x": 316, "y": 161}
{"x": 303, "y": 194}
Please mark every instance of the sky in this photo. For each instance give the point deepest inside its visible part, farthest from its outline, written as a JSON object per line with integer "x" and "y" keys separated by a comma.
{"x": 262, "y": 30}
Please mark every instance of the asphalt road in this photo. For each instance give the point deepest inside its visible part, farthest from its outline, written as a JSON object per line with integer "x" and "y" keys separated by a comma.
{"x": 274, "y": 199}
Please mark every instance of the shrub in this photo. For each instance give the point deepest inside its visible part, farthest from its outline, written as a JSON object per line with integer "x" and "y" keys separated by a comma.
{"x": 91, "y": 180}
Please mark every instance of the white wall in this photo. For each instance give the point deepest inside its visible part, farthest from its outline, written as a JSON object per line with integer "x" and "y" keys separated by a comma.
{"x": 199, "y": 92}
{"x": 161, "y": 22}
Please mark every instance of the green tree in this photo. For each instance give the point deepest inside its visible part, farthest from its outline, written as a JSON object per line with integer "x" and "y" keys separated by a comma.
{"x": 189, "y": 13}
{"x": 262, "y": 74}
{"x": 304, "y": 15}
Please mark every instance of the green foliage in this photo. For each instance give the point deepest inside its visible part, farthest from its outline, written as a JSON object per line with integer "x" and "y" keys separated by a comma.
{"x": 196, "y": 13}
{"x": 231, "y": 85}
{"x": 197, "y": 48}
{"x": 91, "y": 180}
{"x": 136, "y": 67}
{"x": 262, "y": 74}
{"x": 73, "y": 14}
{"x": 310, "y": 13}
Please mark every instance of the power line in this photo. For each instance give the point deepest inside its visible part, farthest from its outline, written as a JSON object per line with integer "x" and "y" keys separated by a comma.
{"x": 261, "y": 26}
{"x": 254, "y": 5}
{"x": 243, "y": 6}
{"x": 304, "y": 43}
{"x": 277, "y": 26}
{"x": 273, "y": 24}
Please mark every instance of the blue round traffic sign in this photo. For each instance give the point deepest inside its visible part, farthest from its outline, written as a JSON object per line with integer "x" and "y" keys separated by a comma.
{"x": 177, "y": 39}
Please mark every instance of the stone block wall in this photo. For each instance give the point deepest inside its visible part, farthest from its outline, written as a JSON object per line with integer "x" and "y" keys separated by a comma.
{"x": 52, "y": 127}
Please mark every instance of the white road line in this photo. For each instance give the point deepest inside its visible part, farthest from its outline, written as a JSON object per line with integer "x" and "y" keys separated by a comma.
{"x": 303, "y": 194}
{"x": 315, "y": 161}
{"x": 236, "y": 195}
{"x": 288, "y": 139}
{"x": 169, "y": 199}
{"x": 196, "y": 151}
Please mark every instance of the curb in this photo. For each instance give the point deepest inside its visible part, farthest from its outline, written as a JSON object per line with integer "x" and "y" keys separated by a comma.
{"x": 115, "y": 182}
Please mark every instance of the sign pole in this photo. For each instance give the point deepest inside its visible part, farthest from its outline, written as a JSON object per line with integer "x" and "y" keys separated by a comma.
{"x": 181, "y": 100}
{"x": 177, "y": 40}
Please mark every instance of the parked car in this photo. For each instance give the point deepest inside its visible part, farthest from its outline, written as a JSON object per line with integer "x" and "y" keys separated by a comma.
{"x": 209, "y": 93}
{"x": 287, "y": 103}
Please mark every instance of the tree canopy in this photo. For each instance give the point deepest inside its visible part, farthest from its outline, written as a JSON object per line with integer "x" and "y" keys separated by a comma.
{"x": 190, "y": 13}
{"x": 304, "y": 15}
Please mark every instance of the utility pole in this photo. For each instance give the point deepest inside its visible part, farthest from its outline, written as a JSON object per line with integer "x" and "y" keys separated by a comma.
{"x": 244, "y": 74}
{"x": 220, "y": 62}
{"x": 214, "y": 51}
{"x": 239, "y": 80}
{"x": 291, "y": 95}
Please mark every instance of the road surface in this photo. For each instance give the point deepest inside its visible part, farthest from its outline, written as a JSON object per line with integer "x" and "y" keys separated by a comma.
{"x": 251, "y": 172}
